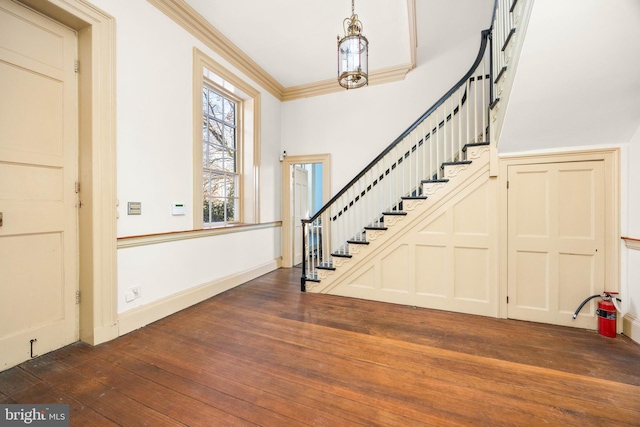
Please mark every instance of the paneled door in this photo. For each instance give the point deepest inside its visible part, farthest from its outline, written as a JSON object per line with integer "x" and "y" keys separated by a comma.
{"x": 38, "y": 173}
{"x": 556, "y": 235}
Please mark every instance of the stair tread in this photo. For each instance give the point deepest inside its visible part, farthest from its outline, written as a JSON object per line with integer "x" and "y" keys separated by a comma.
{"x": 394, "y": 213}
{"x": 474, "y": 144}
{"x": 375, "y": 228}
{"x": 339, "y": 255}
{"x": 462, "y": 162}
{"x": 413, "y": 197}
{"x": 358, "y": 242}
{"x": 325, "y": 267}
{"x": 428, "y": 181}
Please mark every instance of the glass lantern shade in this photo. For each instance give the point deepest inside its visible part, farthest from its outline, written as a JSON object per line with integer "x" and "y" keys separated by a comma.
{"x": 353, "y": 61}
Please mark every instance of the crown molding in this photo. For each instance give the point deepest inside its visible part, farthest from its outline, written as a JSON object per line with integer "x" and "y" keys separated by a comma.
{"x": 187, "y": 17}
{"x": 324, "y": 87}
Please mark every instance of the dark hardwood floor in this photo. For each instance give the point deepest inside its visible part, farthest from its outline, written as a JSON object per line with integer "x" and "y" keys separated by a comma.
{"x": 266, "y": 354}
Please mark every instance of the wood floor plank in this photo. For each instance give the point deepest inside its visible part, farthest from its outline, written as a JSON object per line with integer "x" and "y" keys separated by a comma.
{"x": 266, "y": 354}
{"x": 109, "y": 403}
{"x": 410, "y": 358}
{"x": 418, "y": 391}
{"x": 302, "y": 402}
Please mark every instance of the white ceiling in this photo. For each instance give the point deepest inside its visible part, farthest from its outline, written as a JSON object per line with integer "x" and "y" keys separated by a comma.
{"x": 295, "y": 40}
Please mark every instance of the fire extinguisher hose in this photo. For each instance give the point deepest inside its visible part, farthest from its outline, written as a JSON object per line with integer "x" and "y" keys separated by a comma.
{"x": 613, "y": 297}
{"x": 583, "y": 304}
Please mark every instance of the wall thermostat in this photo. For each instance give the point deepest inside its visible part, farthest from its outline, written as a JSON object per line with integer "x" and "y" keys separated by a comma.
{"x": 177, "y": 209}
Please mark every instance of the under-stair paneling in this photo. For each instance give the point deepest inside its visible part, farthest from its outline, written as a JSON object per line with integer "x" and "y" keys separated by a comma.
{"x": 471, "y": 274}
{"x": 431, "y": 271}
{"x": 442, "y": 255}
{"x": 395, "y": 270}
{"x": 366, "y": 280}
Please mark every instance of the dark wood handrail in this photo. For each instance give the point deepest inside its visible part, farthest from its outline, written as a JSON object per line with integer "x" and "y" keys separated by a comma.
{"x": 483, "y": 45}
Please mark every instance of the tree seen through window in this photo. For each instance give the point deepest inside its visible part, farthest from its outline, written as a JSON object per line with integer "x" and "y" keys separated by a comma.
{"x": 219, "y": 157}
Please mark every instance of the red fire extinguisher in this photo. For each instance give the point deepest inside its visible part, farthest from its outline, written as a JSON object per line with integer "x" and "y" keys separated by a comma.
{"x": 606, "y": 312}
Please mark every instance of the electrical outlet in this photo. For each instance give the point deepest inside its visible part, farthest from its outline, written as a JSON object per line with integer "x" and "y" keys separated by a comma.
{"x": 137, "y": 291}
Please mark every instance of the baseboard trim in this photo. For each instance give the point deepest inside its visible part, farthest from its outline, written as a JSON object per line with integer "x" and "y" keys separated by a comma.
{"x": 142, "y": 316}
{"x": 631, "y": 327}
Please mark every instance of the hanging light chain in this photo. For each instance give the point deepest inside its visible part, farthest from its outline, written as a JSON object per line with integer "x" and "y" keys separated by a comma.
{"x": 352, "y": 25}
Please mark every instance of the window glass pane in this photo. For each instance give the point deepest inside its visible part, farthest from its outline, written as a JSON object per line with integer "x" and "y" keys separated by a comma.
{"x": 229, "y": 137}
{"x": 230, "y": 186}
{"x": 230, "y": 112}
{"x": 217, "y": 185}
{"x": 229, "y": 160}
{"x": 214, "y": 132}
{"x": 232, "y": 208}
{"x": 206, "y": 210}
{"x": 206, "y": 184}
{"x": 205, "y": 129}
{"x": 218, "y": 210}
{"x": 215, "y": 105}
{"x": 214, "y": 157}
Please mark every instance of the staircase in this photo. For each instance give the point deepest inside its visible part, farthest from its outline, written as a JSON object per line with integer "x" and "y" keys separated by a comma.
{"x": 377, "y": 238}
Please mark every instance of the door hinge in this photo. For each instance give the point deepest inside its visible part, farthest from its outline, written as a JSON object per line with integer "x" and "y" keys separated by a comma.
{"x": 507, "y": 185}
{"x": 77, "y": 297}
{"x": 507, "y": 299}
{"x": 77, "y": 186}
{"x": 76, "y": 66}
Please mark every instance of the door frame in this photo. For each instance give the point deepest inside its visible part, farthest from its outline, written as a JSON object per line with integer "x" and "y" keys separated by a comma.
{"x": 611, "y": 159}
{"x": 287, "y": 162}
{"x": 97, "y": 163}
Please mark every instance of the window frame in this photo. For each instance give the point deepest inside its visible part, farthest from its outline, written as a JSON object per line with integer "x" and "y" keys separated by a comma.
{"x": 248, "y": 139}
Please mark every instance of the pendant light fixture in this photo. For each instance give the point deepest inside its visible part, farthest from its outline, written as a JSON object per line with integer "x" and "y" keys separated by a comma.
{"x": 353, "y": 54}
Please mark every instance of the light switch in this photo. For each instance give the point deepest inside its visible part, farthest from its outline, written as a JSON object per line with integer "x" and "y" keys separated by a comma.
{"x": 134, "y": 208}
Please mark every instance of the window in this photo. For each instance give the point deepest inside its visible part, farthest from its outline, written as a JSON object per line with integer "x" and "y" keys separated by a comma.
{"x": 220, "y": 172}
{"x": 226, "y": 146}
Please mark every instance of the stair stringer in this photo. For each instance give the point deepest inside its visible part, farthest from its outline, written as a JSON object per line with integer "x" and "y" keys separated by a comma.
{"x": 443, "y": 254}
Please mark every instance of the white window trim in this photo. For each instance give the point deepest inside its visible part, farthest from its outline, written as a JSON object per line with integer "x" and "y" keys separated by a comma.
{"x": 248, "y": 138}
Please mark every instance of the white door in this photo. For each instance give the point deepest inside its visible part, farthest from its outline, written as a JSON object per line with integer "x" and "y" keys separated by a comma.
{"x": 556, "y": 233}
{"x": 38, "y": 171}
{"x": 300, "y": 209}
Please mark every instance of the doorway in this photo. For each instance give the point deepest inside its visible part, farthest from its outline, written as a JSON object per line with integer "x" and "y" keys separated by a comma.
{"x": 305, "y": 189}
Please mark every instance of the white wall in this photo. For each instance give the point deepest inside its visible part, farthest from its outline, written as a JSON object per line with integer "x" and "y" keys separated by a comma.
{"x": 163, "y": 270}
{"x": 355, "y": 126}
{"x": 154, "y": 60}
{"x": 577, "y": 81}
